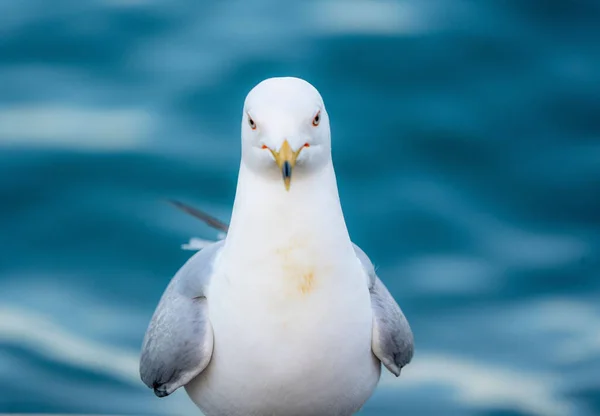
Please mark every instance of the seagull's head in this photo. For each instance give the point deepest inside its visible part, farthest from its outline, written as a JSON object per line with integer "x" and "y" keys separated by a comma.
{"x": 285, "y": 129}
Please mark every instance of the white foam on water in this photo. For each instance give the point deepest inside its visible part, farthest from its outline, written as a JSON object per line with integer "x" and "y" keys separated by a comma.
{"x": 482, "y": 385}
{"x": 365, "y": 17}
{"x": 573, "y": 325}
{"x": 73, "y": 127}
{"x": 448, "y": 274}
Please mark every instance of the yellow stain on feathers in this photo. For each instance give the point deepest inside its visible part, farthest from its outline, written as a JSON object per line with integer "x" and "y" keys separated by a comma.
{"x": 293, "y": 259}
{"x": 306, "y": 283}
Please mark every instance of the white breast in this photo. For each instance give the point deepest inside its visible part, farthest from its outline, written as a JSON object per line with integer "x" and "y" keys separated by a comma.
{"x": 289, "y": 328}
{"x": 290, "y": 307}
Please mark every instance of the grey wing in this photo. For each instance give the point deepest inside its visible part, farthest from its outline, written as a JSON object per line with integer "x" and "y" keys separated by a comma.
{"x": 179, "y": 341}
{"x": 393, "y": 341}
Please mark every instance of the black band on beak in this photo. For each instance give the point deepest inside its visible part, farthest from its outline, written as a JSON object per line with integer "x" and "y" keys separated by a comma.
{"x": 286, "y": 170}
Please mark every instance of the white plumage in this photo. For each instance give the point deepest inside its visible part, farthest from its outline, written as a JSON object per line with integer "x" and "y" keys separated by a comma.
{"x": 285, "y": 316}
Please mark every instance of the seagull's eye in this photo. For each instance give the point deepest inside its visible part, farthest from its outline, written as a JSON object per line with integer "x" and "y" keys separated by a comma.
{"x": 317, "y": 119}
{"x": 251, "y": 123}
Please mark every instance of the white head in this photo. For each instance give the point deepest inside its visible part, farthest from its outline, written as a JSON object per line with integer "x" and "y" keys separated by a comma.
{"x": 285, "y": 128}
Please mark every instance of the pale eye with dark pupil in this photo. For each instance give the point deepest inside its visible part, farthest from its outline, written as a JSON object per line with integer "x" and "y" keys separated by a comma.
{"x": 317, "y": 119}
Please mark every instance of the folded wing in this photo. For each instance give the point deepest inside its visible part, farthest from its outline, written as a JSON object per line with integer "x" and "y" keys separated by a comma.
{"x": 179, "y": 341}
{"x": 393, "y": 341}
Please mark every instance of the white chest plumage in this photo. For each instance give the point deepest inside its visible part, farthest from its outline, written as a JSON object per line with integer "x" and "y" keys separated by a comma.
{"x": 305, "y": 339}
{"x": 292, "y": 318}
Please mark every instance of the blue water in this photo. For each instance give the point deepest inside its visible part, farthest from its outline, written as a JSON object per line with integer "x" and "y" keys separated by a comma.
{"x": 466, "y": 142}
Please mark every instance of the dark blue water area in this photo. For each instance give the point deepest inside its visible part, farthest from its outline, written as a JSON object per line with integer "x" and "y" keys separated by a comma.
{"x": 466, "y": 141}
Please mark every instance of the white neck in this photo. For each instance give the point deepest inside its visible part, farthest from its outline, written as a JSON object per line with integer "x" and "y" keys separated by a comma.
{"x": 269, "y": 218}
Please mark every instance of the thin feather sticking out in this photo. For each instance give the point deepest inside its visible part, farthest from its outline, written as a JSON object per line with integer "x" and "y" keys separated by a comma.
{"x": 201, "y": 215}
{"x": 195, "y": 243}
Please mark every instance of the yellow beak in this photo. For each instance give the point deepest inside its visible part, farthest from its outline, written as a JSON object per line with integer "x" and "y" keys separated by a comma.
{"x": 286, "y": 160}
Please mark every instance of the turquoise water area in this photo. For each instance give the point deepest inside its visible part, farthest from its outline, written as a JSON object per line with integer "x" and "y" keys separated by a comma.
{"x": 466, "y": 142}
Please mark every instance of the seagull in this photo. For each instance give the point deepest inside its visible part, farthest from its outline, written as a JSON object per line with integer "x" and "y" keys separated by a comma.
{"x": 285, "y": 315}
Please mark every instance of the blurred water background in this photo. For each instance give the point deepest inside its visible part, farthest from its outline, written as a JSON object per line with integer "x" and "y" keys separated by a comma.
{"x": 466, "y": 141}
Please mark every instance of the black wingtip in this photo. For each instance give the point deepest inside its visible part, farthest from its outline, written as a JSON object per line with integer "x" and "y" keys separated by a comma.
{"x": 201, "y": 215}
{"x": 160, "y": 390}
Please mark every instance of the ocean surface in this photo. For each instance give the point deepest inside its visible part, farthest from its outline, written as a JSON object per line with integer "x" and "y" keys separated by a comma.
{"x": 466, "y": 141}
